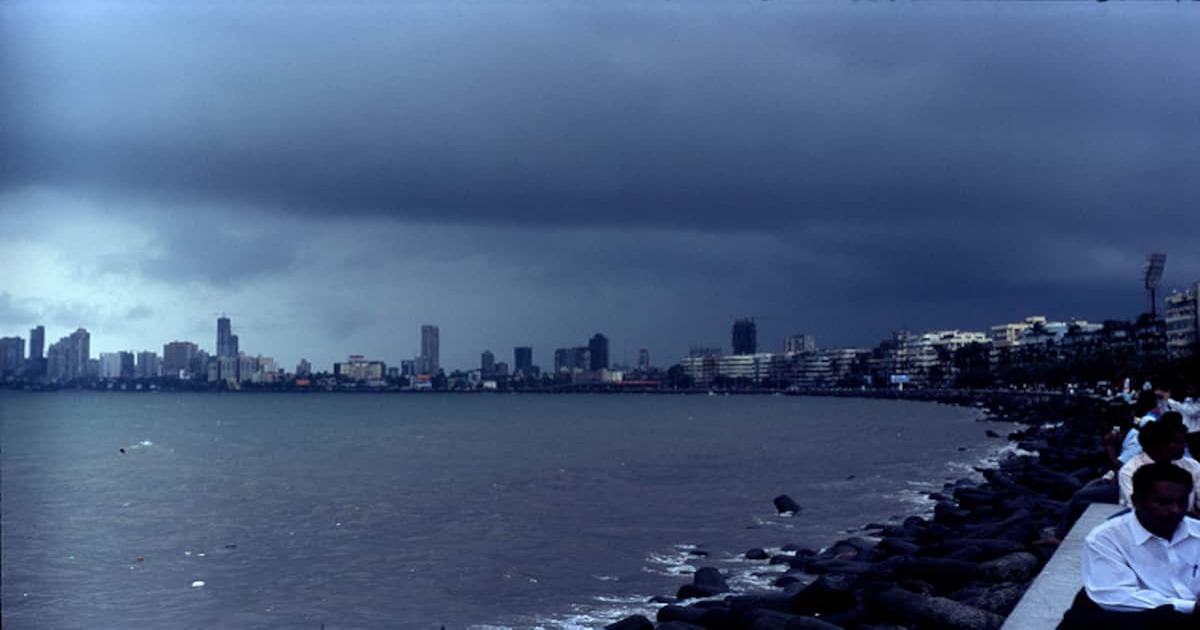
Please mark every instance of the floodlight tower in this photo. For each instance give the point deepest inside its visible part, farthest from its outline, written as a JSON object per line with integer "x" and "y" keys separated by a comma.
{"x": 1153, "y": 274}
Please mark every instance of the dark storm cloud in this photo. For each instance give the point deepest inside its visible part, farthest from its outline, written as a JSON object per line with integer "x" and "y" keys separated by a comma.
{"x": 705, "y": 117}
{"x": 944, "y": 164}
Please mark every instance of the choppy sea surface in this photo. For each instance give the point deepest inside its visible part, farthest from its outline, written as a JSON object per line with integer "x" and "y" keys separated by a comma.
{"x": 423, "y": 511}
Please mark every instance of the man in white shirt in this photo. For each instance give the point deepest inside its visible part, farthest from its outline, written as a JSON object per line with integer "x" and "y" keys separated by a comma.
{"x": 1188, "y": 409}
{"x": 1162, "y": 441}
{"x": 1141, "y": 569}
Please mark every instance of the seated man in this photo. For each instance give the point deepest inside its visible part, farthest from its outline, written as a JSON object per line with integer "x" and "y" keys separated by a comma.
{"x": 1162, "y": 441}
{"x": 1140, "y": 568}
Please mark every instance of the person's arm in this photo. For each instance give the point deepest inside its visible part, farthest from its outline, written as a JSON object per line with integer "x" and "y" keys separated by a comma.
{"x": 1125, "y": 479}
{"x": 1113, "y": 584}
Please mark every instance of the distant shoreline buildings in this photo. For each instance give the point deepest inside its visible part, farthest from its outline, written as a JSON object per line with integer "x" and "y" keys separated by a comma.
{"x": 1033, "y": 350}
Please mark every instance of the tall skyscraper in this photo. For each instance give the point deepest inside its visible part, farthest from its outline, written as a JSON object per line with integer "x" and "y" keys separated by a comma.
{"x": 429, "y": 349}
{"x": 12, "y": 356}
{"x": 81, "y": 352}
{"x": 37, "y": 347}
{"x": 227, "y": 344}
{"x": 523, "y": 360}
{"x": 745, "y": 337}
{"x": 598, "y": 348}
{"x": 643, "y": 359}
{"x": 487, "y": 363}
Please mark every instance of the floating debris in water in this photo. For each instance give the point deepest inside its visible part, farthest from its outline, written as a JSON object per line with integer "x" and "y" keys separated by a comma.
{"x": 197, "y": 583}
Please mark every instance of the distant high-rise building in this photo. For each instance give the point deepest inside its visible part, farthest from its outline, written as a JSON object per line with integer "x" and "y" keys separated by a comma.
{"x": 501, "y": 369}
{"x": 563, "y": 360}
{"x": 745, "y": 337}
{"x": 227, "y": 342}
{"x": 598, "y": 350}
{"x": 408, "y": 368}
{"x": 128, "y": 364}
{"x": 430, "y": 352}
{"x": 487, "y": 363}
{"x": 178, "y": 357}
{"x": 68, "y": 358}
{"x": 116, "y": 365}
{"x": 304, "y": 368}
{"x": 643, "y": 359}
{"x": 12, "y": 356}
{"x": 148, "y": 364}
{"x": 581, "y": 358}
{"x": 37, "y": 346}
{"x": 799, "y": 343}
{"x": 1183, "y": 322}
{"x": 199, "y": 365}
{"x": 523, "y": 360}
{"x": 110, "y": 365}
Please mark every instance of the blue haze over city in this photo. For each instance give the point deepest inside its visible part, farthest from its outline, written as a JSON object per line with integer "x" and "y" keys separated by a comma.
{"x": 531, "y": 173}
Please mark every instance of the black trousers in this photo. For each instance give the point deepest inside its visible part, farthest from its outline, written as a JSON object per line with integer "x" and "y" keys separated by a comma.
{"x": 1086, "y": 615}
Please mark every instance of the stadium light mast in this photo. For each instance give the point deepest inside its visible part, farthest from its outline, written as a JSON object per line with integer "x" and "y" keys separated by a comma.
{"x": 1153, "y": 274}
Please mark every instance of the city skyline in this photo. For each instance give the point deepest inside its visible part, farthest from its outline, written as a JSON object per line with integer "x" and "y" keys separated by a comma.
{"x": 333, "y": 178}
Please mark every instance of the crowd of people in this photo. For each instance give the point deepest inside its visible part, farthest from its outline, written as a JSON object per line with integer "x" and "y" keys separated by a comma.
{"x": 1141, "y": 567}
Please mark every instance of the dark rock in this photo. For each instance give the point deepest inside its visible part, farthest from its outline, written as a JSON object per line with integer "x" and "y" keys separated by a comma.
{"x": 707, "y": 582}
{"x": 835, "y": 565}
{"x": 679, "y": 625}
{"x": 635, "y": 622}
{"x": 992, "y": 434}
{"x": 772, "y": 601}
{"x": 997, "y": 598}
{"x": 968, "y": 554}
{"x": 757, "y": 554}
{"x": 910, "y": 609}
{"x": 781, "y": 558}
{"x": 704, "y": 617}
{"x": 897, "y": 547}
{"x": 828, "y": 593}
{"x": 1015, "y": 567}
{"x": 941, "y": 572}
{"x": 785, "y": 504}
{"x": 948, "y": 512}
{"x": 785, "y": 581}
{"x": 774, "y": 620}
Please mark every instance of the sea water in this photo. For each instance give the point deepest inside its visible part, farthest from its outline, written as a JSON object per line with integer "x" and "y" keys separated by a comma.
{"x": 191, "y": 510}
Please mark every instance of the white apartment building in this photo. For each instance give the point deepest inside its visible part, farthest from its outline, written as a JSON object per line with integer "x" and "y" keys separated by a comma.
{"x": 1183, "y": 322}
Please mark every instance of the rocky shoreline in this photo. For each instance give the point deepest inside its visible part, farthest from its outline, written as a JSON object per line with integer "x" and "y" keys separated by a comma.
{"x": 965, "y": 567}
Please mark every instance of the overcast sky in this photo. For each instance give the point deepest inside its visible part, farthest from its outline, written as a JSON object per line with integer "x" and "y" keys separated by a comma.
{"x": 334, "y": 175}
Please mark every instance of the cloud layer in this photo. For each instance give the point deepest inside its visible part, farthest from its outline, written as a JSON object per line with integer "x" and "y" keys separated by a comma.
{"x": 530, "y": 172}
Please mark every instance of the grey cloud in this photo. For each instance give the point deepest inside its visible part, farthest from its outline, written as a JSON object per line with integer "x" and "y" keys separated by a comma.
{"x": 16, "y": 311}
{"x": 836, "y": 168}
{"x": 141, "y": 311}
{"x": 742, "y": 120}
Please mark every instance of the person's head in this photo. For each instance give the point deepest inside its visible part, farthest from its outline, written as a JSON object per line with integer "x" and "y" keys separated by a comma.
{"x": 1163, "y": 441}
{"x": 1162, "y": 390}
{"x": 1160, "y": 498}
{"x": 1145, "y": 403}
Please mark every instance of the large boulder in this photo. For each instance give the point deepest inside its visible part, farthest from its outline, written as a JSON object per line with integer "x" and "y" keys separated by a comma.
{"x": 1014, "y": 567}
{"x": 786, "y": 505}
{"x": 707, "y": 582}
{"x": 759, "y": 619}
{"x": 634, "y": 622}
{"x": 896, "y": 605}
